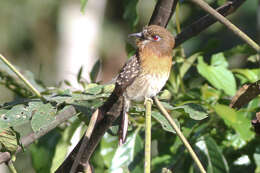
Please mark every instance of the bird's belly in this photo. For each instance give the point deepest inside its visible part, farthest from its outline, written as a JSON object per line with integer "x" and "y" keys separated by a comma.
{"x": 146, "y": 86}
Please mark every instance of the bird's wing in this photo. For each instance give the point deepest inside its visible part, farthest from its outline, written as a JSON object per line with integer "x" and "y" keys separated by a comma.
{"x": 128, "y": 73}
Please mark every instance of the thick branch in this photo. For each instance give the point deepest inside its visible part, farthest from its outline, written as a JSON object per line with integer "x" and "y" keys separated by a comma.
{"x": 203, "y": 23}
{"x": 108, "y": 113}
{"x": 245, "y": 94}
{"x": 163, "y": 12}
{"x": 27, "y": 140}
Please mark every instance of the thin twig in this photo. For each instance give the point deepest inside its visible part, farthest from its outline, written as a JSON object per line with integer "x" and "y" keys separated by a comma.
{"x": 227, "y": 23}
{"x": 27, "y": 140}
{"x": 26, "y": 82}
{"x": 147, "y": 149}
{"x": 204, "y": 22}
{"x": 85, "y": 141}
{"x": 179, "y": 133}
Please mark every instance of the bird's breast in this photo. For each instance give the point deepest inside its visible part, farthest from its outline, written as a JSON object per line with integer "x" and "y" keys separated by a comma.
{"x": 154, "y": 72}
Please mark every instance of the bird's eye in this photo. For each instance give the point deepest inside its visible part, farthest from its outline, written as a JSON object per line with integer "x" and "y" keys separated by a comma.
{"x": 156, "y": 38}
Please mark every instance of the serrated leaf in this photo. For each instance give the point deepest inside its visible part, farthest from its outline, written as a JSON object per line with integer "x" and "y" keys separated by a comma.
{"x": 164, "y": 122}
{"x": 195, "y": 111}
{"x": 216, "y": 161}
{"x": 236, "y": 120}
{"x": 130, "y": 12}
{"x": 126, "y": 154}
{"x": 43, "y": 114}
{"x": 217, "y": 73}
{"x": 18, "y": 115}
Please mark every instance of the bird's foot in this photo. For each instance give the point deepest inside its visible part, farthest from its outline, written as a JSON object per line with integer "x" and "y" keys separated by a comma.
{"x": 148, "y": 99}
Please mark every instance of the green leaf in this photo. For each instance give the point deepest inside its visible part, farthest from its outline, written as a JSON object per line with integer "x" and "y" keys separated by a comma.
{"x": 209, "y": 93}
{"x": 95, "y": 70}
{"x": 63, "y": 145}
{"x": 251, "y": 74}
{"x": 79, "y": 75}
{"x": 126, "y": 155}
{"x": 244, "y": 49}
{"x": 93, "y": 89}
{"x": 108, "y": 146}
{"x": 235, "y": 141}
{"x": 217, "y": 73}
{"x": 236, "y": 120}
{"x": 195, "y": 111}
{"x": 43, "y": 114}
{"x": 42, "y": 151}
{"x": 18, "y": 115}
{"x": 9, "y": 140}
{"x": 130, "y": 12}
{"x": 83, "y": 5}
{"x": 164, "y": 122}
{"x": 165, "y": 95}
{"x": 188, "y": 63}
{"x": 216, "y": 161}
{"x": 257, "y": 161}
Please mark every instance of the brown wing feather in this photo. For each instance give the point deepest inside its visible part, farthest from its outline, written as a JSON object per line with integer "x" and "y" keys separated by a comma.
{"x": 128, "y": 73}
{"x": 125, "y": 78}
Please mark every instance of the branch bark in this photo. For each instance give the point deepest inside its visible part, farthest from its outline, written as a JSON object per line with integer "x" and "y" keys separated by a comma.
{"x": 163, "y": 12}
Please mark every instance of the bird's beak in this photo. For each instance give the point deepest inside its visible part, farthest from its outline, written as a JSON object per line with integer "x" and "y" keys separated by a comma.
{"x": 138, "y": 35}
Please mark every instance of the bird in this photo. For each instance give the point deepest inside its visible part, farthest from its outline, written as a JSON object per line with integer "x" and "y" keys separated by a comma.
{"x": 145, "y": 73}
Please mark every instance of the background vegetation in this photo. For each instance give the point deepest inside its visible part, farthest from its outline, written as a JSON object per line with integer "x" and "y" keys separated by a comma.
{"x": 207, "y": 72}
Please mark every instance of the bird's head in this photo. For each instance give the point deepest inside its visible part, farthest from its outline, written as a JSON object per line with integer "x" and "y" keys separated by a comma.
{"x": 154, "y": 37}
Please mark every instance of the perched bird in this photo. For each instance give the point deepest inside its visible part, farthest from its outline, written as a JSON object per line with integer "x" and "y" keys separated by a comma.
{"x": 142, "y": 77}
{"x": 146, "y": 72}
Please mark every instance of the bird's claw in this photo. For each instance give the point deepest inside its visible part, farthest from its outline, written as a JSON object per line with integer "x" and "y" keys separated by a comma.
{"x": 148, "y": 99}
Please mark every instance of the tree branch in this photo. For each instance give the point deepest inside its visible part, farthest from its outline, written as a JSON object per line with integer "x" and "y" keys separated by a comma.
{"x": 180, "y": 135}
{"x": 227, "y": 23}
{"x": 64, "y": 115}
{"x": 204, "y": 22}
{"x": 163, "y": 12}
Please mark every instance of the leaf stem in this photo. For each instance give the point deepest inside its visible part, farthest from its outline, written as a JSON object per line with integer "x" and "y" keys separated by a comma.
{"x": 26, "y": 82}
{"x": 147, "y": 149}
{"x": 227, "y": 23}
{"x": 179, "y": 133}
